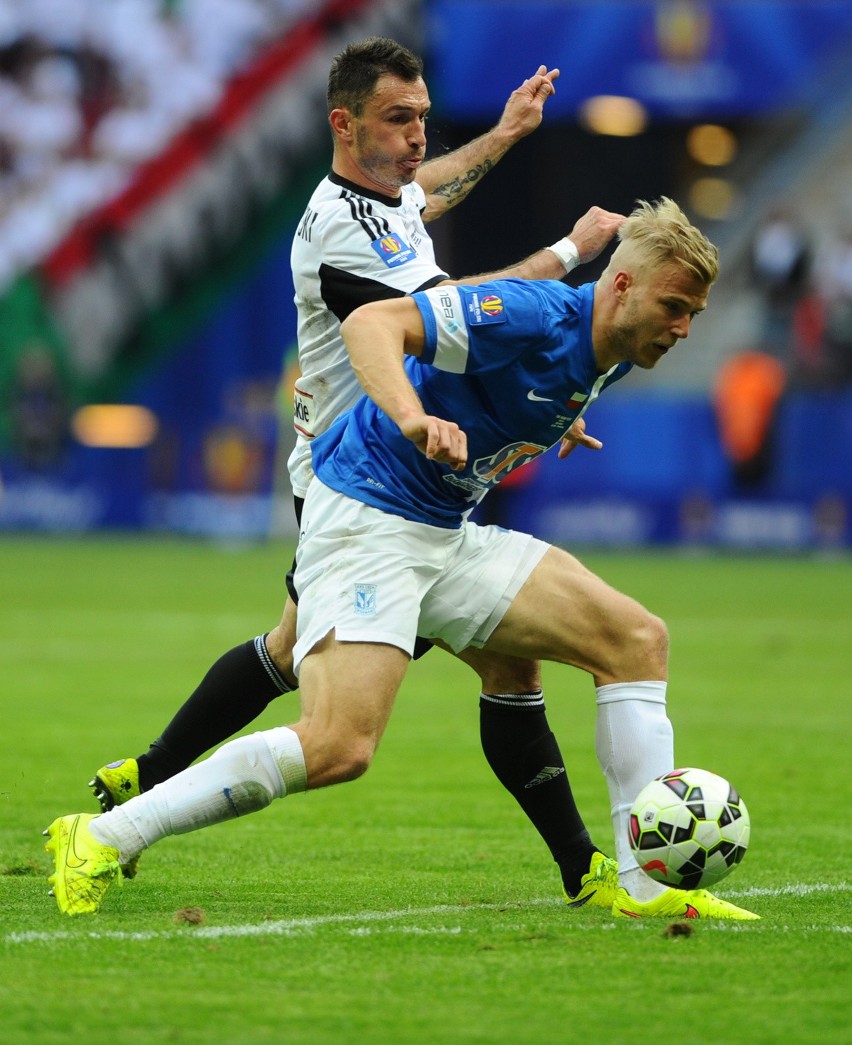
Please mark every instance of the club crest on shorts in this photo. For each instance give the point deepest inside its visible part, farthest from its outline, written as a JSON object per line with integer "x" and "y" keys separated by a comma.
{"x": 365, "y": 600}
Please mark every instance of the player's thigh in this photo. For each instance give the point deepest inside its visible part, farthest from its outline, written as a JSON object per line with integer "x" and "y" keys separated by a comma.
{"x": 483, "y": 570}
{"x": 566, "y": 613}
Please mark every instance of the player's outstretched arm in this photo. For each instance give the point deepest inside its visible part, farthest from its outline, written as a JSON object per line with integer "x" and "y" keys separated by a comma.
{"x": 446, "y": 180}
{"x": 594, "y": 231}
{"x": 584, "y": 242}
{"x": 377, "y": 337}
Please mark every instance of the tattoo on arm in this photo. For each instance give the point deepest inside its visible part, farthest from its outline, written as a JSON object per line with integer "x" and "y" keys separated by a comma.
{"x": 454, "y": 191}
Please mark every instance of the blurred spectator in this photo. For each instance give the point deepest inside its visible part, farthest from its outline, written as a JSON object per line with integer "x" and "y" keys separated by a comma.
{"x": 233, "y": 461}
{"x": 807, "y": 365}
{"x": 38, "y": 409}
{"x": 831, "y": 522}
{"x": 748, "y": 389}
{"x": 834, "y": 283}
{"x": 780, "y": 265}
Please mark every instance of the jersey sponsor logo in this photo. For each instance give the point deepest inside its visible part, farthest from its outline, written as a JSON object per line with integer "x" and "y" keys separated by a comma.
{"x": 487, "y": 308}
{"x": 490, "y": 470}
{"x": 447, "y": 305}
{"x": 471, "y": 486}
{"x": 365, "y": 600}
{"x": 450, "y": 324}
{"x": 392, "y": 250}
{"x": 486, "y": 472}
{"x": 303, "y": 406}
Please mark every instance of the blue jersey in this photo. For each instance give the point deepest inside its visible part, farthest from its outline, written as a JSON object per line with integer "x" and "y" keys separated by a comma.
{"x": 510, "y": 361}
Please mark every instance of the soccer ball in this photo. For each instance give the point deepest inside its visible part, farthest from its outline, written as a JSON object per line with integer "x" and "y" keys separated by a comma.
{"x": 689, "y": 828}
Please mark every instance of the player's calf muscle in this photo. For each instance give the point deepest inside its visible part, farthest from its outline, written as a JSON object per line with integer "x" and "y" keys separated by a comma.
{"x": 500, "y": 673}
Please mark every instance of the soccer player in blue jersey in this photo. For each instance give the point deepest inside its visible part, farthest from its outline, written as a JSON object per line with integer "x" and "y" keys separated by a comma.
{"x": 463, "y": 384}
{"x": 363, "y": 237}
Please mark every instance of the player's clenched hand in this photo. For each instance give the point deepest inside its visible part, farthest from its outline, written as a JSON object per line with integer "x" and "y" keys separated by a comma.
{"x": 576, "y": 436}
{"x": 439, "y": 440}
{"x": 523, "y": 110}
{"x": 593, "y": 231}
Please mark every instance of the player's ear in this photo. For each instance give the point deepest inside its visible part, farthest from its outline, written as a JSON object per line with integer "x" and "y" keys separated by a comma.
{"x": 341, "y": 124}
{"x": 621, "y": 283}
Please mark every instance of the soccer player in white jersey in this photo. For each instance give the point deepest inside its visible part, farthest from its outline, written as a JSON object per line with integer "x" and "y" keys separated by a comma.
{"x": 362, "y": 238}
{"x": 387, "y": 551}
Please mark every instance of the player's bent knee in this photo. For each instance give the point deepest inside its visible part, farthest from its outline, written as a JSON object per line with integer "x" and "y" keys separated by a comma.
{"x": 356, "y": 759}
{"x": 651, "y": 640}
{"x": 337, "y": 762}
{"x": 658, "y": 637}
{"x": 635, "y": 646}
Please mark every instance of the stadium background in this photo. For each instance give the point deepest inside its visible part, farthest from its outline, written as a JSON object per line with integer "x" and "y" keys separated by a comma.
{"x": 156, "y": 157}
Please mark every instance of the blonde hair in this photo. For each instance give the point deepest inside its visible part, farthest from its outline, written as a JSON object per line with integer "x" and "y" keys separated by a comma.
{"x": 659, "y": 233}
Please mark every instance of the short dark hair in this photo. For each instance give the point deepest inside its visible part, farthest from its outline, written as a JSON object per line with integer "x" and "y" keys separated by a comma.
{"x": 356, "y": 69}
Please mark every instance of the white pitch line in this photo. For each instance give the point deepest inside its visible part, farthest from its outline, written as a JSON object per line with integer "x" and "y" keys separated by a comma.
{"x": 304, "y": 926}
{"x": 285, "y": 927}
{"x": 797, "y": 889}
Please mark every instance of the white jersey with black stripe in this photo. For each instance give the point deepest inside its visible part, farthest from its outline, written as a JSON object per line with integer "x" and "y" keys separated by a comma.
{"x": 351, "y": 246}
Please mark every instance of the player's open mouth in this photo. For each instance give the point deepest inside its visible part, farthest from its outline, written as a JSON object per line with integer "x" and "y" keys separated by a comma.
{"x": 413, "y": 163}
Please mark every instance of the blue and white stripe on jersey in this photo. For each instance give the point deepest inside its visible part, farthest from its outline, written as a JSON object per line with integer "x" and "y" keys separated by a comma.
{"x": 442, "y": 310}
{"x": 511, "y": 362}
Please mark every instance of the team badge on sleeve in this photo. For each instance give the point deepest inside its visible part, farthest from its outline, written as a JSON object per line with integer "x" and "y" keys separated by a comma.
{"x": 392, "y": 250}
{"x": 485, "y": 308}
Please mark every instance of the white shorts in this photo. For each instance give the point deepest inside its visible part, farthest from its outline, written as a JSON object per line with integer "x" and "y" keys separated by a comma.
{"x": 374, "y": 577}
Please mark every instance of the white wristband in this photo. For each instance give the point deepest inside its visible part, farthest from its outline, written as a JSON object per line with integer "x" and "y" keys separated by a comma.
{"x": 567, "y": 253}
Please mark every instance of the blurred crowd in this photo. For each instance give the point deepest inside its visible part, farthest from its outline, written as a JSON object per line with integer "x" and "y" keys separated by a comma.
{"x": 805, "y": 287}
{"x": 803, "y": 284}
{"x": 91, "y": 88}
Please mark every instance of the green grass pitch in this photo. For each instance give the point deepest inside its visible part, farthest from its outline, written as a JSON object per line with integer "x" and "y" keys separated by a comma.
{"x": 416, "y": 905}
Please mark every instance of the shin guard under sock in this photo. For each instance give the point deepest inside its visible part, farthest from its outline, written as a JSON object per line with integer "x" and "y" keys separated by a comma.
{"x": 242, "y": 777}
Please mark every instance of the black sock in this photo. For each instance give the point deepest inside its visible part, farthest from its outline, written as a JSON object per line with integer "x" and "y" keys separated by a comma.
{"x": 233, "y": 693}
{"x": 526, "y": 759}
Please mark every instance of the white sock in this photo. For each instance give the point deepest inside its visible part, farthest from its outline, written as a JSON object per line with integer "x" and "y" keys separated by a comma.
{"x": 634, "y": 743}
{"x": 243, "y": 776}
